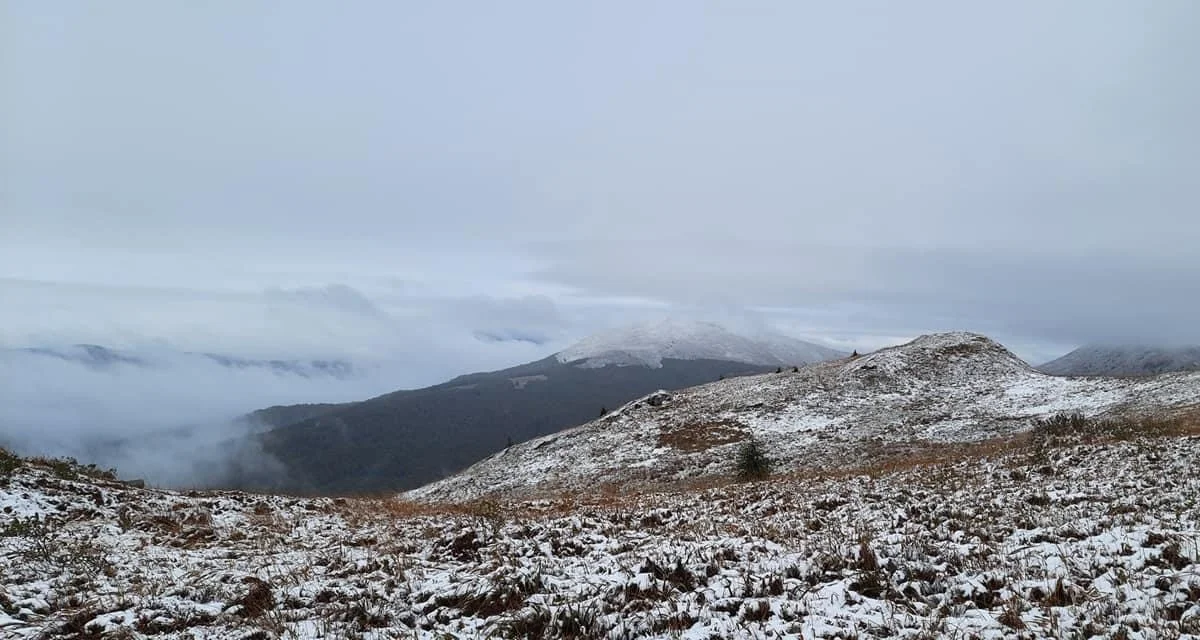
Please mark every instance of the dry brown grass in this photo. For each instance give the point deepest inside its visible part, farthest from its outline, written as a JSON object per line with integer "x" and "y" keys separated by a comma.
{"x": 1181, "y": 422}
{"x": 703, "y": 436}
{"x": 376, "y": 509}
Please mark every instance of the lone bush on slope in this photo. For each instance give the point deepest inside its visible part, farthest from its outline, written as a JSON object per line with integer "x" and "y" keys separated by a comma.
{"x": 752, "y": 461}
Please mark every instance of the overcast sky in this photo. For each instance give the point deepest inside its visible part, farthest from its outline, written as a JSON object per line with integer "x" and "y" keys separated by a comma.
{"x": 474, "y": 184}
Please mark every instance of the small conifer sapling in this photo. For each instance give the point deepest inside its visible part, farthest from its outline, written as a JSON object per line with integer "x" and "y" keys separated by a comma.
{"x": 752, "y": 461}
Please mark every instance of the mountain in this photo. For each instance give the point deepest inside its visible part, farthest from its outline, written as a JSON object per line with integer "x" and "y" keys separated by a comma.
{"x": 1109, "y": 360}
{"x": 92, "y": 356}
{"x": 650, "y": 343}
{"x": 937, "y": 389}
{"x": 404, "y": 439}
{"x": 99, "y": 358}
{"x": 282, "y": 415}
{"x": 304, "y": 368}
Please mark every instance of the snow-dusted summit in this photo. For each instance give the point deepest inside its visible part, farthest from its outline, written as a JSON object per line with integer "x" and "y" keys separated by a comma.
{"x": 648, "y": 344}
{"x": 937, "y": 389}
{"x": 1127, "y": 360}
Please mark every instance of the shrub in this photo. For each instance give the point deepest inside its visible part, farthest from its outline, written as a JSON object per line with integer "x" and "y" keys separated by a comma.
{"x": 62, "y": 468}
{"x": 488, "y": 513}
{"x": 1062, "y": 425}
{"x": 752, "y": 461}
{"x": 9, "y": 462}
{"x": 45, "y": 541}
{"x": 38, "y": 538}
{"x": 1072, "y": 428}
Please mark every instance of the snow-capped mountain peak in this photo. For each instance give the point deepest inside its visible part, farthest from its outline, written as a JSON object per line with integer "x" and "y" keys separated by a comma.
{"x": 649, "y": 343}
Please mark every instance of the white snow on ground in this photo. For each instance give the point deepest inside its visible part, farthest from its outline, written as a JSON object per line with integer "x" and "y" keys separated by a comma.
{"x": 953, "y": 387}
{"x": 1046, "y": 540}
{"x": 649, "y": 343}
{"x": 913, "y": 512}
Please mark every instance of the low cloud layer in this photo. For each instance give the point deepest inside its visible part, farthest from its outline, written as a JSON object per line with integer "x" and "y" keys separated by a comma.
{"x": 164, "y": 410}
{"x": 172, "y": 423}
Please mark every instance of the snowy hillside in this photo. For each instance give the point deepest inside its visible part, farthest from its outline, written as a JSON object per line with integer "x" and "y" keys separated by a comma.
{"x": 940, "y": 388}
{"x": 1101, "y": 360}
{"x": 1043, "y": 541}
{"x": 648, "y": 344}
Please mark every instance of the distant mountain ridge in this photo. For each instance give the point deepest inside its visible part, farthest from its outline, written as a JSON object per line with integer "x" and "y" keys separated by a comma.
{"x": 941, "y": 388}
{"x": 407, "y": 438}
{"x": 90, "y": 355}
{"x": 97, "y": 357}
{"x": 1127, "y": 360}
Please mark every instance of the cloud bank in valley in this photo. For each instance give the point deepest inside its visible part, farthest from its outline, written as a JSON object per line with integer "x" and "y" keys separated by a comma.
{"x": 167, "y": 405}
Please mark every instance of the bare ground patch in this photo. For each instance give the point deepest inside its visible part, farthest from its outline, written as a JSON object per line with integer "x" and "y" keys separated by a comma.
{"x": 703, "y": 435}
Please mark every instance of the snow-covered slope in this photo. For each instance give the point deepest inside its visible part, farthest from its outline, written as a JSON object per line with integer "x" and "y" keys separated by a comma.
{"x": 1105, "y": 360}
{"x": 1067, "y": 541}
{"x": 939, "y": 388}
{"x": 649, "y": 343}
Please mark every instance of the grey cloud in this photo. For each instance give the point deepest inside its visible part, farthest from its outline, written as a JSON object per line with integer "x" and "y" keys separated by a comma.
{"x": 533, "y": 172}
{"x": 334, "y": 296}
{"x": 1101, "y": 297}
{"x": 533, "y": 319}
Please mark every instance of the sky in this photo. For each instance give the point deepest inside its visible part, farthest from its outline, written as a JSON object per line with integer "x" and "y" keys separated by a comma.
{"x": 464, "y": 186}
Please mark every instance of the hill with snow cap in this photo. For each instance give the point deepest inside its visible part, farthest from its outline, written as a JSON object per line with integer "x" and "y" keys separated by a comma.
{"x": 942, "y": 388}
{"x": 1106, "y": 360}
{"x": 648, "y": 344}
{"x": 407, "y": 438}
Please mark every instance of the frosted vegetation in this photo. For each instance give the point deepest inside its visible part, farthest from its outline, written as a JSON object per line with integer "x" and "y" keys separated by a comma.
{"x": 938, "y": 489}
